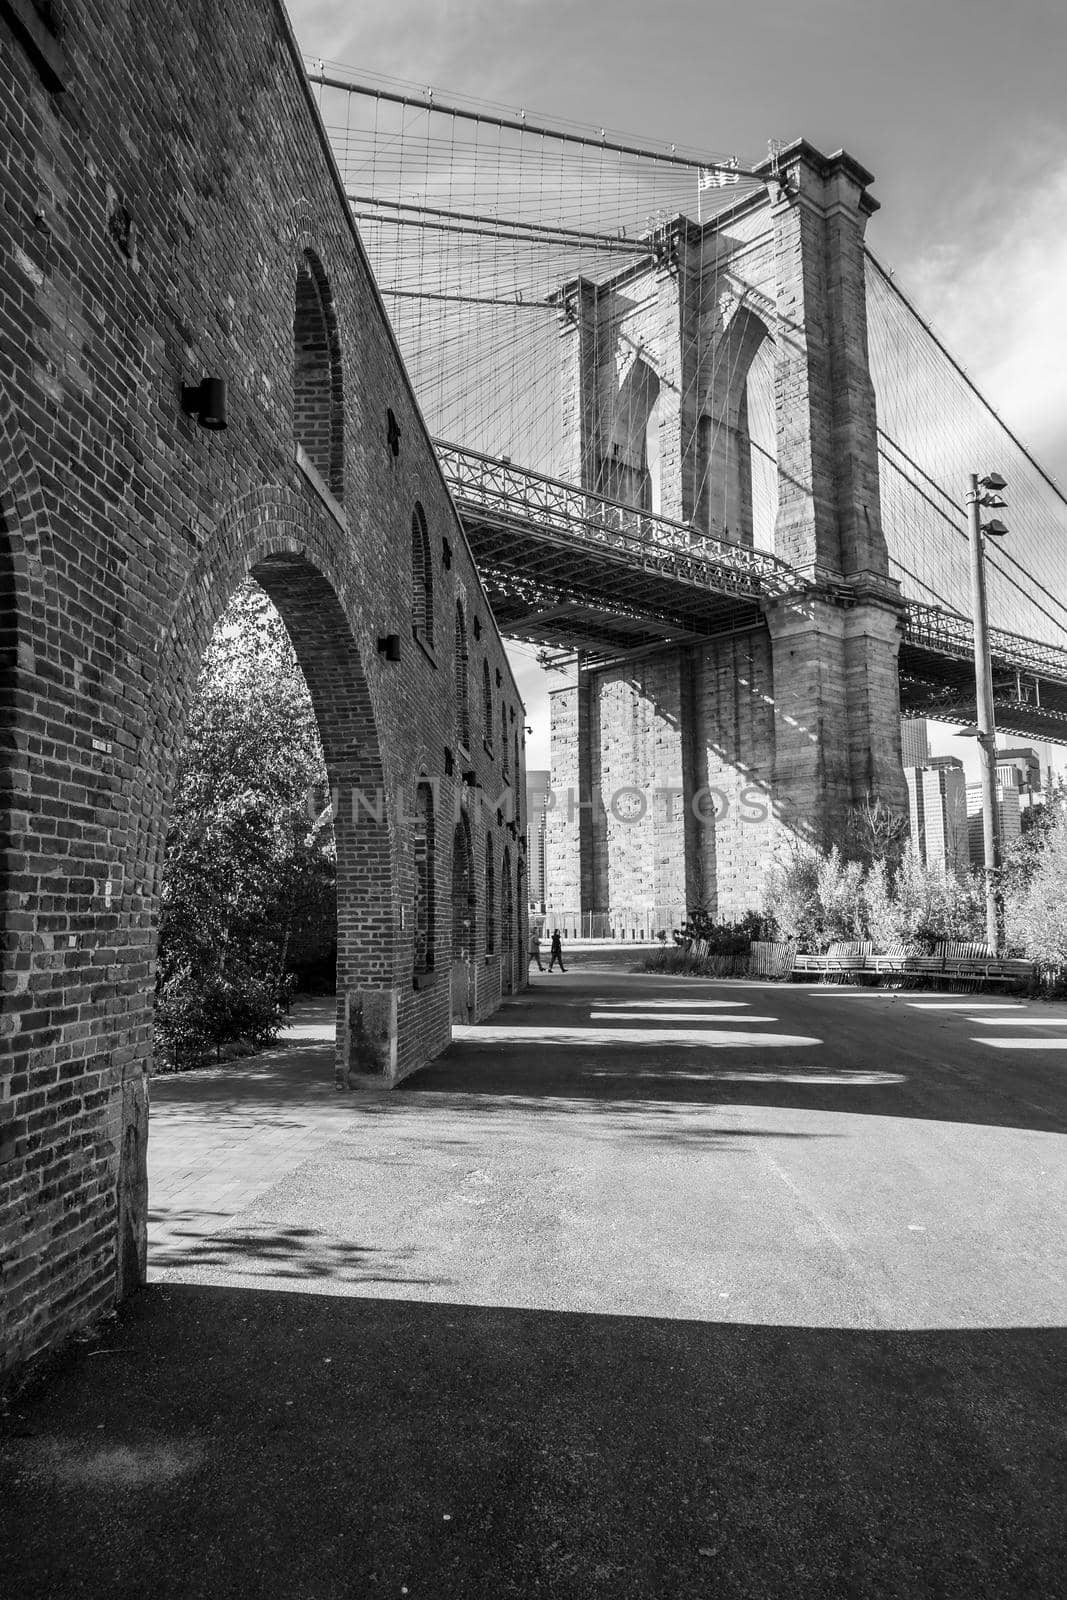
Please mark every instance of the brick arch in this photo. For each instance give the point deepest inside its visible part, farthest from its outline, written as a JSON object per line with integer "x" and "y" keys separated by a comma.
{"x": 297, "y": 555}
{"x": 461, "y": 667}
{"x": 26, "y": 598}
{"x": 421, "y": 576}
{"x": 464, "y": 897}
{"x": 507, "y": 920}
{"x": 27, "y": 545}
{"x": 318, "y": 375}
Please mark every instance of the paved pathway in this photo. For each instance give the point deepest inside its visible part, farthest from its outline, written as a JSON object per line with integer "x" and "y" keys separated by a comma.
{"x": 648, "y": 1287}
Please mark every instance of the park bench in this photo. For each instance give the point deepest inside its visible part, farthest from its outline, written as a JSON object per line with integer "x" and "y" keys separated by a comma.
{"x": 960, "y": 963}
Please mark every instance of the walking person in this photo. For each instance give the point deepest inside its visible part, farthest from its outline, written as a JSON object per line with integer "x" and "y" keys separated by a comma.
{"x": 557, "y": 951}
{"x": 535, "y": 949}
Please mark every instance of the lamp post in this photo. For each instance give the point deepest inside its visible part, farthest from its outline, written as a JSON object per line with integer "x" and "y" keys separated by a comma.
{"x": 986, "y": 492}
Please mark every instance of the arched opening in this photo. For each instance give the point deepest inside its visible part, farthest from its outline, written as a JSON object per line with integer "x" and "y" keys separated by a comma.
{"x": 507, "y": 921}
{"x": 318, "y": 395}
{"x": 630, "y": 471}
{"x": 353, "y": 796}
{"x": 736, "y": 494}
{"x": 461, "y": 656}
{"x": 464, "y": 899}
{"x": 521, "y": 921}
{"x": 249, "y": 889}
{"x": 490, "y": 897}
{"x": 423, "y": 853}
{"x": 421, "y": 577}
{"x": 8, "y": 627}
{"x": 487, "y": 706}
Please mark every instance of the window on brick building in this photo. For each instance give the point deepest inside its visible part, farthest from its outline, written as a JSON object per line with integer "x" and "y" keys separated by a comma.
{"x": 490, "y": 897}
{"x": 462, "y": 671}
{"x": 421, "y": 577}
{"x": 318, "y": 399}
{"x": 463, "y": 896}
{"x": 424, "y": 878}
{"x": 507, "y": 913}
{"x": 487, "y": 706}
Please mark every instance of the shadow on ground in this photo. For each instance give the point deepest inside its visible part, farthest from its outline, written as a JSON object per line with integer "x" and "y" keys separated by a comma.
{"x": 546, "y": 1045}
{"x": 183, "y": 1239}
{"x": 224, "y": 1442}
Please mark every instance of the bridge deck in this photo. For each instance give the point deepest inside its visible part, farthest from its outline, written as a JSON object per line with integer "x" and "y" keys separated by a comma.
{"x": 567, "y": 568}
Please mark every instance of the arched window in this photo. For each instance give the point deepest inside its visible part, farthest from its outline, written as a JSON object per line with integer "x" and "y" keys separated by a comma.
{"x": 423, "y": 846}
{"x": 463, "y": 896}
{"x": 490, "y": 897}
{"x": 504, "y": 739}
{"x": 507, "y": 912}
{"x": 462, "y": 667}
{"x": 421, "y": 577}
{"x": 318, "y": 398}
{"x": 487, "y": 706}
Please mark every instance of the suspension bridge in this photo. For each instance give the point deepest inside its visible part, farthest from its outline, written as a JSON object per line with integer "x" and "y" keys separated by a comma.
{"x": 478, "y": 220}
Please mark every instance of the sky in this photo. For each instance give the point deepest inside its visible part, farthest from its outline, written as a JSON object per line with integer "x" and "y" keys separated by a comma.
{"x": 957, "y": 106}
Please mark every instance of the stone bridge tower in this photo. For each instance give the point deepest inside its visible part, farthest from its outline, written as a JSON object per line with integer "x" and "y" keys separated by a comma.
{"x": 726, "y": 384}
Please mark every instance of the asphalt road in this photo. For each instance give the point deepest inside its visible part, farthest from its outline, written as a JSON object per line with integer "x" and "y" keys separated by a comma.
{"x": 648, "y": 1287}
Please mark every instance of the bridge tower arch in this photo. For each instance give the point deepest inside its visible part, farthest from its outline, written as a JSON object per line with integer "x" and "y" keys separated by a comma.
{"x": 754, "y": 324}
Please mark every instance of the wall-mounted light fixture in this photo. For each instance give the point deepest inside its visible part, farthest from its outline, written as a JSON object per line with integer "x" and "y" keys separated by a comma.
{"x": 389, "y": 646}
{"x": 206, "y": 401}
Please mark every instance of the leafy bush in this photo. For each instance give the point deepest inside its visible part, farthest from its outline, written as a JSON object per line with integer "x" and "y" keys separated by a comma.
{"x": 1036, "y": 892}
{"x": 820, "y": 899}
{"x": 246, "y": 868}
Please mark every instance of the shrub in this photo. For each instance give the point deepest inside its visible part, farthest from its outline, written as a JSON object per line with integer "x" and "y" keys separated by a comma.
{"x": 247, "y": 874}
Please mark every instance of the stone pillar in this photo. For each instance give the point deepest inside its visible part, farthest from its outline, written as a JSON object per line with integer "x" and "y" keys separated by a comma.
{"x": 834, "y": 653}
{"x": 579, "y": 334}
{"x": 570, "y": 844}
{"x": 836, "y": 711}
{"x": 829, "y": 510}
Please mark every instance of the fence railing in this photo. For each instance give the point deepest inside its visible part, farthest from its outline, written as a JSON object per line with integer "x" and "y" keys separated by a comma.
{"x": 520, "y": 495}
{"x": 951, "y": 634}
{"x": 523, "y": 497}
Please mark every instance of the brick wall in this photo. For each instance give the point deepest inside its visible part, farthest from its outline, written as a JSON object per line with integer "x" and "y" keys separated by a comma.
{"x": 170, "y": 211}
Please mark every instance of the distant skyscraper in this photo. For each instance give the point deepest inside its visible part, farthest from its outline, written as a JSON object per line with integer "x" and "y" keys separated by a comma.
{"x": 538, "y": 790}
{"x": 1020, "y": 770}
{"x": 1007, "y": 811}
{"x": 937, "y": 807}
{"x": 914, "y": 742}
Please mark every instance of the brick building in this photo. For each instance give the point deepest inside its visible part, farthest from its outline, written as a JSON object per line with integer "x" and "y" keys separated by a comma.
{"x": 177, "y": 252}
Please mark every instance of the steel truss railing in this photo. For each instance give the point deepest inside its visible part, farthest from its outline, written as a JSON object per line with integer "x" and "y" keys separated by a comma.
{"x": 950, "y": 634}
{"x": 517, "y": 494}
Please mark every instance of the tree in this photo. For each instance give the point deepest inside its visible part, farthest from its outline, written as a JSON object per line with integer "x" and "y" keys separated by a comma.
{"x": 244, "y": 855}
{"x": 1035, "y": 886}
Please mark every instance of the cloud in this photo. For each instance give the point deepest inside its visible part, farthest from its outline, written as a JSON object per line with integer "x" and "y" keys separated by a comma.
{"x": 996, "y": 298}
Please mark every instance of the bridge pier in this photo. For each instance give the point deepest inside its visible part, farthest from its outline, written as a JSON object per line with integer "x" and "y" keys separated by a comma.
{"x": 681, "y": 773}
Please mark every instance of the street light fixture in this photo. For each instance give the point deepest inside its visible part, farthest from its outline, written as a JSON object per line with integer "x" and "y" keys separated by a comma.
{"x": 985, "y": 493}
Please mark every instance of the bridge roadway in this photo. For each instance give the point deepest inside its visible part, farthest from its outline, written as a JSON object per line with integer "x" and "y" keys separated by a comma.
{"x": 567, "y": 568}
